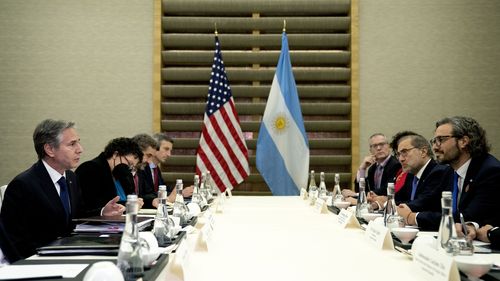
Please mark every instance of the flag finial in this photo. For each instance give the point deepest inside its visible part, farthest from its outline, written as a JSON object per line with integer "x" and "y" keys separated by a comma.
{"x": 284, "y": 25}
{"x": 216, "y": 33}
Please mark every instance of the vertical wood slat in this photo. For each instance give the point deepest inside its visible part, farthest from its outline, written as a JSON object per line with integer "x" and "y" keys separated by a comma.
{"x": 186, "y": 44}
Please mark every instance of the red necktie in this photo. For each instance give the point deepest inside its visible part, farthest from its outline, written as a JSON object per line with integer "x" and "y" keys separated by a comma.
{"x": 155, "y": 178}
{"x": 136, "y": 183}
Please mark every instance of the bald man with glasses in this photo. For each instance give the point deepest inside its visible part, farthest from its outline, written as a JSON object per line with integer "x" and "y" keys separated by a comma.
{"x": 378, "y": 169}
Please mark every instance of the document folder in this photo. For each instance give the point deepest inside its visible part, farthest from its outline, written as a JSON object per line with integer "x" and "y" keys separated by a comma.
{"x": 83, "y": 244}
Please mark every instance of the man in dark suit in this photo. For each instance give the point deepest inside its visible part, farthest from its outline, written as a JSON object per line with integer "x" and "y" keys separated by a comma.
{"x": 40, "y": 202}
{"x": 426, "y": 180}
{"x": 378, "y": 168}
{"x": 154, "y": 175}
{"x": 461, "y": 142}
{"x": 143, "y": 179}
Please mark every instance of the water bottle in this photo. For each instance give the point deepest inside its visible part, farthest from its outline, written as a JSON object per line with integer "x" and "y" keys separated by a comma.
{"x": 197, "y": 197}
{"x": 180, "y": 209}
{"x": 362, "y": 203}
{"x": 164, "y": 227}
{"x": 447, "y": 235}
{"x": 313, "y": 189}
{"x": 129, "y": 255}
{"x": 337, "y": 193}
{"x": 322, "y": 193}
{"x": 209, "y": 185}
{"x": 391, "y": 217}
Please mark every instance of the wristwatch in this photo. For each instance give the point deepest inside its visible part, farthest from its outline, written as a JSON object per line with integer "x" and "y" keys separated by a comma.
{"x": 488, "y": 233}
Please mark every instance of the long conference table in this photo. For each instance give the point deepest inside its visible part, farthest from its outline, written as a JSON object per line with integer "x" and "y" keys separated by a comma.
{"x": 279, "y": 238}
{"x": 284, "y": 238}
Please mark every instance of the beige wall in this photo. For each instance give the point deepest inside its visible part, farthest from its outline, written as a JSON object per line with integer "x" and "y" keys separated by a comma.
{"x": 422, "y": 60}
{"x": 89, "y": 61}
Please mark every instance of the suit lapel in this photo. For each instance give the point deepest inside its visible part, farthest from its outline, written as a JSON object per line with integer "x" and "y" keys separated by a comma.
{"x": 48, "y": 186}
{"x": 468, "y": 184}
{"x": 424, "y": 175}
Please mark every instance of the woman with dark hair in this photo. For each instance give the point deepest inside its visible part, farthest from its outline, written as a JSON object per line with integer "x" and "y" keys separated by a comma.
{"x": 110, "y": 173}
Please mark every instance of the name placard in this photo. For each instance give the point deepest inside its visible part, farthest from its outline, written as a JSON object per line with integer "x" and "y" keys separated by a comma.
{"x": 320, "y": 206}
{"x": 434, "y": 265}
{"x": 182, "y": 255}
{"x": 379, "y": 236}
{"x": 206, "y": 235}
{"x": 210, "y": 218}
{"x": 347, "y": 219}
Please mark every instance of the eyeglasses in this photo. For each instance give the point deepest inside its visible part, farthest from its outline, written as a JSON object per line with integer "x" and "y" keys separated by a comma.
{"x": 404, "y": 152}
{"x": 132, "y": 167}
{"x": 440, "y": 139}
{"x": 377, "y": 145}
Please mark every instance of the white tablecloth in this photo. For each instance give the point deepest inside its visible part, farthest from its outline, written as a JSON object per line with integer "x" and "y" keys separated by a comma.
{"x": 283, "y": 238}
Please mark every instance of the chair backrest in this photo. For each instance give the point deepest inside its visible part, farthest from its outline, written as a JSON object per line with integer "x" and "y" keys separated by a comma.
{"x": 2, "y": 192}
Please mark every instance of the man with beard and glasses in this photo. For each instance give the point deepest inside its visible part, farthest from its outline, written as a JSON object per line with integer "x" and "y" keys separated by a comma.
{"x": 421, "y": 193}
{"x": 461, "y": 142}
{"x": 110, "y": 174}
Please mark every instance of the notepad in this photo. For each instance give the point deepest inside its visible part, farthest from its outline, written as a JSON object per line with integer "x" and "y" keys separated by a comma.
{"x": 108, "y": 224}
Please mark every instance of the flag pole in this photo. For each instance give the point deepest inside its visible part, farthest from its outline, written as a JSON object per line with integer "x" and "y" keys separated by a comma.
{"x": 284, "y": 25}
{"x": 216, "y": 33}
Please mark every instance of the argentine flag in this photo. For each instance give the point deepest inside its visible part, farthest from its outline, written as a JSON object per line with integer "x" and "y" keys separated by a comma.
{"x": 282, "y": 146}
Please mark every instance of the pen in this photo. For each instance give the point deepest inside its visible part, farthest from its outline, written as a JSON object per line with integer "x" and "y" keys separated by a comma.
{"x": 464, "y": 228}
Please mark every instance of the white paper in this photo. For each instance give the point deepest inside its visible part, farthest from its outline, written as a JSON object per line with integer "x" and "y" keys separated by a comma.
{"x": 379, "y": 236}
{"x": 41, "y": 270}
{"x": 434, "y": 265}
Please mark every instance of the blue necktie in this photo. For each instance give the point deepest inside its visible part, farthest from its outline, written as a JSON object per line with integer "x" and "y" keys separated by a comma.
{"x": 455, "y": 192}
{"x": 64, "y": 195}
{"x": 414, "y": 187}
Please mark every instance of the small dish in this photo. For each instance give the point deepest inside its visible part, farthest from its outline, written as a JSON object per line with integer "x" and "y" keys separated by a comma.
{"x": 473, "y": 266}
{"x": 341, "y": 204}
{"x": 371, "y": 216}
{"x": 405, "y": 235}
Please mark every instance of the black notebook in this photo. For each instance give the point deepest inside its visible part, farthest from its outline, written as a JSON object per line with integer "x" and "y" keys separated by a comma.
{"x": 83, "y": 244}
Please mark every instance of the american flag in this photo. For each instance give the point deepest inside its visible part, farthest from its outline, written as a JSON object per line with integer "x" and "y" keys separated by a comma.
{"x": 222, "y": 149}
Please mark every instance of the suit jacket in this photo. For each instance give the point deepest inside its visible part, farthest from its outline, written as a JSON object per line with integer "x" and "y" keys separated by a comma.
{"x": 479, "y": 201}
{"x": 6, "y": 245}
{"x": 32, "y": 212}
{"x": 391, "y": 170}
{"x": 435, "y": 179}
{"x": 146, "y": 189}
{"x": 96, "y": 183}
{"x": 495, "y": 239}
{"x": 149, "y": 182}
{"x": 431, "y": 178}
